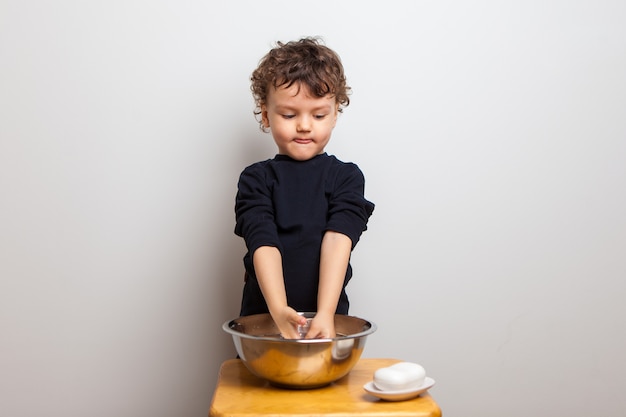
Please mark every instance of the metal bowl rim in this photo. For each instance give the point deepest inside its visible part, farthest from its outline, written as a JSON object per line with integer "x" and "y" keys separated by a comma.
{"x": 227, "y": 328}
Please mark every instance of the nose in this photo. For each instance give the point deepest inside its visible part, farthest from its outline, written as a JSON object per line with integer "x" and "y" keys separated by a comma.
{"x": 304, "y": 124}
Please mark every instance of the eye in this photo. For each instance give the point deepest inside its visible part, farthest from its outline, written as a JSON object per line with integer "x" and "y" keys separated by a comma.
{"x": 320, "y": 116}
{"x": 287, "y": 116}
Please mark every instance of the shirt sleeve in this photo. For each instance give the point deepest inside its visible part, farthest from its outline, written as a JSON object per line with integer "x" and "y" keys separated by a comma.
{"x": 254, "y": 210}
{"x": 349, "y": 210}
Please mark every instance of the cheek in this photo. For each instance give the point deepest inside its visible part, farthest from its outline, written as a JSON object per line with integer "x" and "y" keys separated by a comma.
{"x": 281, "y": 131}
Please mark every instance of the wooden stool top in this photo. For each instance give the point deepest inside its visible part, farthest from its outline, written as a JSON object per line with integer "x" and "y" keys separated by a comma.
{"x": 239, "y": 393}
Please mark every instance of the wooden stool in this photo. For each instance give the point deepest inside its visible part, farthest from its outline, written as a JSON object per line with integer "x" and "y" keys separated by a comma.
{"x": 239, "y": 393}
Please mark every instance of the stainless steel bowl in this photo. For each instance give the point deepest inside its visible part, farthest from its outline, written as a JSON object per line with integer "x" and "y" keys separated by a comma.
{"x": 298, "y": 363}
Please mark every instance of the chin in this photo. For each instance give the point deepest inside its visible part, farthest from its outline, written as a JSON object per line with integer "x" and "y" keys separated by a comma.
{"x": 302, "y": 156}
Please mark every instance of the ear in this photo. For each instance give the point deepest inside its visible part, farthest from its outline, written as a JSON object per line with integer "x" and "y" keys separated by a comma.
{"x": 264, "y": 119}
{"x": 336, "y": 114}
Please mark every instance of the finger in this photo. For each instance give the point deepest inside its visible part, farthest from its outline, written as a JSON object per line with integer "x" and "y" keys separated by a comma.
{"x": 312, "y": 335}
{"x": 289, "y": 330}
{"x": 316, "y": 333}
{"x": 297, "y": 319}
{"x": 290, "y": 333}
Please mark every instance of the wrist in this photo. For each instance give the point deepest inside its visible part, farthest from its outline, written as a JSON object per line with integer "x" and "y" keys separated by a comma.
{"x": 277, "y": 309}
{"x": 325, "y": 312}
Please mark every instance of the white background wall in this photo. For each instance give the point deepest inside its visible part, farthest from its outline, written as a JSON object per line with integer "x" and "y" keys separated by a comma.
{"x": 493, "y": 139}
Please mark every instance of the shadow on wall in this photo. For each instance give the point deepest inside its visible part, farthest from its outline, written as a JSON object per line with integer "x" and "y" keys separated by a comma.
{"x": 227, "y": 269}
{"x": 255, "y": 146}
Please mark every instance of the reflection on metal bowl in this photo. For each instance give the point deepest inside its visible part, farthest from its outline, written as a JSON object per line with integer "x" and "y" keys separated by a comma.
{"x": 298, "y": 363}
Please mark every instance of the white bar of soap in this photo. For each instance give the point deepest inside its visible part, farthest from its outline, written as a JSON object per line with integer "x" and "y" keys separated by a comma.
{"x": 400, "y": 376}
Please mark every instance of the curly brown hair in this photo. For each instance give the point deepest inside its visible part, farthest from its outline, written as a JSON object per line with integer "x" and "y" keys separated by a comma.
{"x": 304, "y": 62}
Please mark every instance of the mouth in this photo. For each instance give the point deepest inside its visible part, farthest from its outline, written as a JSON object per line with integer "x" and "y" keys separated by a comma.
{"x": 303, "y": 141}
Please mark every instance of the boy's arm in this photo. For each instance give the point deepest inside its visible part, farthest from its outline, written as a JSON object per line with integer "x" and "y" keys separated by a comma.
{"x": 334, "y": 258}
{"x": 268, "y": 267}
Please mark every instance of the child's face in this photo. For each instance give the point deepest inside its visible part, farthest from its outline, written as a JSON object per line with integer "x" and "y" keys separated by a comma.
{"x": 301, "y": 124}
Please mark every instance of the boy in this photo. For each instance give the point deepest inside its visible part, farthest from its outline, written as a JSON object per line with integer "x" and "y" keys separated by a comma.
{"x": 302, "y": 212}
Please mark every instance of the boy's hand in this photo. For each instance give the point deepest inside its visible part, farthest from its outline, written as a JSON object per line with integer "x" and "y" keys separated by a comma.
{"x": 287, "y": 319}
{"x": 322, "y": 327}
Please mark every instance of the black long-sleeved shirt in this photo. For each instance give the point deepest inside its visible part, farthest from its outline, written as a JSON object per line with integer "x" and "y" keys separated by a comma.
{"x": 290, "y": 204}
